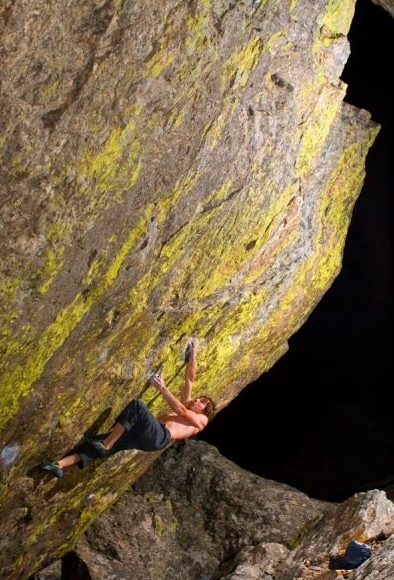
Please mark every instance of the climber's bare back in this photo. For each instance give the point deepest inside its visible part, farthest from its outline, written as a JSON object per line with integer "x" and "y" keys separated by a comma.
{"x": 178, "y": 427}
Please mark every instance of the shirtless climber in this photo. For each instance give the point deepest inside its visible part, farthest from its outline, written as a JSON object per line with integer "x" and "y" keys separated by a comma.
{"x": 137, "y": 428}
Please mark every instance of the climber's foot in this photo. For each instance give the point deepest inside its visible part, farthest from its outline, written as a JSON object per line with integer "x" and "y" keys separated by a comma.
{"x": 53, "y": 467}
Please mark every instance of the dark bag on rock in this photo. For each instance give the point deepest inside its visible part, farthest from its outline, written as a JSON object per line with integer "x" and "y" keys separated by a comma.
{"x": 356, "y": 553}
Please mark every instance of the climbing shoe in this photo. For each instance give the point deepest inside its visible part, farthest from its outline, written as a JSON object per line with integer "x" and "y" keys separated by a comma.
{"x": 97, "y": 445}
{"x": 53, "y": 467}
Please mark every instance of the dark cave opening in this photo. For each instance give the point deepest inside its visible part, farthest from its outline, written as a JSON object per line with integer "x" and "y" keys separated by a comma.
{"x": 339, "y": 421}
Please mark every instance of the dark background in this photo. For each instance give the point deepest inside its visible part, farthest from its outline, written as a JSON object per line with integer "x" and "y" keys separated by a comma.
{"x": 322, "y": 418}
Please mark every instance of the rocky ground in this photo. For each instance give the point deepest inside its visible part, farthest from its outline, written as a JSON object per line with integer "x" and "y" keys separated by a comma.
{"x": 197, "y": 516}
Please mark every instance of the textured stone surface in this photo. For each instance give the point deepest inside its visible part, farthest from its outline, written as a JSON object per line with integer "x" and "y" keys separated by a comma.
{"x": 197, "y": 515}
{"x": 165, "y": 171}
{"x": 193, "y": 512}
{"x": 387, "y": 5}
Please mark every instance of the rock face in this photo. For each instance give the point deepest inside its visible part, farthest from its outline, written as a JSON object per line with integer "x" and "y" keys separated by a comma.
{"x": 387, "y": 5}
{"x": 185, "y": 169}
{"x": 196, "y": 515}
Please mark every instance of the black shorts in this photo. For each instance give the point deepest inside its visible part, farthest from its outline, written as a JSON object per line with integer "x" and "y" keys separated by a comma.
{"x": 143, "y": 432}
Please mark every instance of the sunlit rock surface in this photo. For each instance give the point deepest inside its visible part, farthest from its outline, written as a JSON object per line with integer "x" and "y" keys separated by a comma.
{"x": 166, "y": 171}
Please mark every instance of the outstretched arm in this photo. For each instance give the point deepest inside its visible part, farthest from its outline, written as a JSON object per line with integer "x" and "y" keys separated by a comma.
{"x": 190, "y": 417}
{"x": 190, "y": 372}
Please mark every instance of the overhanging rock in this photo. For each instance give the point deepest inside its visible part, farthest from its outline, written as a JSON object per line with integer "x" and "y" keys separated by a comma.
{"x": 186, "y": 169}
